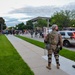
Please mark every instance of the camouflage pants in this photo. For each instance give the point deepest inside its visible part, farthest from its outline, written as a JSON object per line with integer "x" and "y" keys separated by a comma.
{"x": 56, "y": 55}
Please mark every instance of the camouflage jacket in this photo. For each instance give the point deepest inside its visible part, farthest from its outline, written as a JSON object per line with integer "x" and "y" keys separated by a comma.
{"x": 54, "y": 38}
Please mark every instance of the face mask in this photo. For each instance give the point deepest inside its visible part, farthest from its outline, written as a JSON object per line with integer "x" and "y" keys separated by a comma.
{"x": 56, "y": 29}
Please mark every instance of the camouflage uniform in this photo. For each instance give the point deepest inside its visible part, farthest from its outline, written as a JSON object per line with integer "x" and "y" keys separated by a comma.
{"x": 53, "y": 38}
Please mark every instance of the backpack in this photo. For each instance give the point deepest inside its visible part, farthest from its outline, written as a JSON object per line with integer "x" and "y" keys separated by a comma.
{"x": 53, "y": 38}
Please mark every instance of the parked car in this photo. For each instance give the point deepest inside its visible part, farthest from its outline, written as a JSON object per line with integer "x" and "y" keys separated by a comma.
{"x": 68, "y": 37}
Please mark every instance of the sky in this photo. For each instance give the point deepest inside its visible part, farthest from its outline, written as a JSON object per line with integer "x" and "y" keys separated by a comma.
{"x": 17, "y": 11}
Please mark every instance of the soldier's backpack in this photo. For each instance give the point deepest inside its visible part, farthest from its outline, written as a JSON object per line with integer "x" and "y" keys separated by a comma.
{"x": 53, "y": 38}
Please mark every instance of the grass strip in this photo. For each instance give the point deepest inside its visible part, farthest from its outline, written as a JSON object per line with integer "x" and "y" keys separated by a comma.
{"x": 64, "y": 52}
{"x": 10, "y": 61}
{"x": 35, "y": 42}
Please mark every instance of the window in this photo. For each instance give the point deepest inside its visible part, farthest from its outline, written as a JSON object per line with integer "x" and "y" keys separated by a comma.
{"x": 62, "y": 33}
{"x": 70, "y": 33}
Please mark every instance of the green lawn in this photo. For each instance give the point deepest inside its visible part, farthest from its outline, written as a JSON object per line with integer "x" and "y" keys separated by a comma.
{"x": 64, "y": 52}
{"x": 10, "y": 61}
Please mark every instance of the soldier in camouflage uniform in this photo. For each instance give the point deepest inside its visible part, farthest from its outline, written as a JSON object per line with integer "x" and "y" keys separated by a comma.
{"x": 53, "y": 38}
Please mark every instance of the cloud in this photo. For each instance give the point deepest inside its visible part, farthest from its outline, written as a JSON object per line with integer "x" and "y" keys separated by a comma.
{"x": 70, "y": 6}
{"x": 26, "y": 13}
{"x": 17, "y": 15}
{"x": 44, "y": 11}
{"x": 11, "y": 21}
{"x": 15, "y": 18}
{"x": 37, "y": 11}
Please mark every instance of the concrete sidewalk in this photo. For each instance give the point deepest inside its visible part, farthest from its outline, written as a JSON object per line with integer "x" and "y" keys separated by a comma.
{"x": 35, "y": 58}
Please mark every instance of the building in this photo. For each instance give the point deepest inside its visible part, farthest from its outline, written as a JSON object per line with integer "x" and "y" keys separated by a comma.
{"x": 34, "y": 20}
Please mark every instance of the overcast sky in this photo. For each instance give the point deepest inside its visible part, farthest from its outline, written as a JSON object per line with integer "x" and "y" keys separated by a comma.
{"x": 17, "y": 11}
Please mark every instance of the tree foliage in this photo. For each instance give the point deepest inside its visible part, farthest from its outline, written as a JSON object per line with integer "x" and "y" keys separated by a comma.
{"x": 29, "y": 25}
{"x": 63, "y": 18}
{"x": 20, "y": 26}
{"x": 41, "y": 23}
{"x": 60, "y": 19}
{"x": 2, "y": 23}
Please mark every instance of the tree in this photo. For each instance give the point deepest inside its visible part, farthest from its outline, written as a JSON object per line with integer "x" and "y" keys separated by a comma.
{"x": 72, "y": 14}
{"x": 72, "y": 23}
{"x": 2, "y": 24}
{"x": 30, "y": 25}
{"x": 20, "y": 26}
{"x": 41, "y": 23}
{"x": 61, "y": 19}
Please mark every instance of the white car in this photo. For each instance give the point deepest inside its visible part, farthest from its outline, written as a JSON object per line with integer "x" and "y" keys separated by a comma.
{"x": 68, "y": 37}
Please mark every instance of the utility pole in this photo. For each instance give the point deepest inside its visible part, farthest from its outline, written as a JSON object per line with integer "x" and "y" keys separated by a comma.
{"x": 48, "y": 23}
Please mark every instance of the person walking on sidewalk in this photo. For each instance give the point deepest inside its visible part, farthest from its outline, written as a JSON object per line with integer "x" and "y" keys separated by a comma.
{"x": 31, "y": 32}
{"x": 53, "y": 38}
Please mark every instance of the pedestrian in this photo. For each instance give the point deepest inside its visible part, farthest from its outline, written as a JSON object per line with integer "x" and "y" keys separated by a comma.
{"x": 36, "y": 33}
{"x": 53, "y": 38}
{"x": 31, "y": 33}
